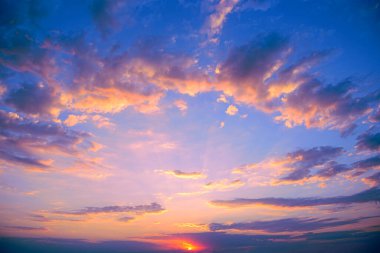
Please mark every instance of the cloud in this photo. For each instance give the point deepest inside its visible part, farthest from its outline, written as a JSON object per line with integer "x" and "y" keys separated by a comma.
{"x": 25, "y": 228}
{"x": 140, "y": 209}
{"x": 373, "y": 181}
{"x": 214, "y": 22}
{"x": 244, "y": 73}
{"x": 21, "y": 52}
{"x": 99, "y": 120}
{"x": 126, "y": 219}
{"x": 365, "y": 165}
{"x": 183, "y": 174}
{"x": 370, "y": 195}
{"x": 232, "y": 110}
{"x": 23, "y": 139}
{"x": 104, "y": 13}
{"x": 328, "y": 106}
{"x": 287, "y": 225}
{"x": 222, "y": 99}
{"x": 305, "y": 166}
{"x": 295, "y": 167}
{"x": 224, "y": 184}
{"x": 181, "y": 105}
{"x": 302, "y": 161}
{"x": 368, "y": 141}
{"x": 43, "y": 218}
{"x": 37, "y": 99}
{"x": 261, "y": 74}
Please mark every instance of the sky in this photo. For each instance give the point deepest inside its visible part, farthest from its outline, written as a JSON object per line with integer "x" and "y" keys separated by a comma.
{"x": 189, "y": 126}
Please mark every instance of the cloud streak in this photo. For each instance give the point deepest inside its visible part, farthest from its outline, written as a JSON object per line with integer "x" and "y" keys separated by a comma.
{"x": 370, "y": 195}
{"x": 140, "y": 209}
{"x": 287, "y": 225}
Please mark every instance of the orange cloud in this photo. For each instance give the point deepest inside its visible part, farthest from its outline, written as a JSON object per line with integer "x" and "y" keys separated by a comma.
{"x": 232, "y": 110}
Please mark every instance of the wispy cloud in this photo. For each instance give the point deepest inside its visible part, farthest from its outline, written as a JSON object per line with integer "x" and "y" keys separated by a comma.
{"x": 371, "y": 195}
{"x": 183, "y": 174}
{"x": 140, "y": 209}
{"x": 214, "y": 22}
{"x": 288, "y": 225}
{"x": 224, "y": 185}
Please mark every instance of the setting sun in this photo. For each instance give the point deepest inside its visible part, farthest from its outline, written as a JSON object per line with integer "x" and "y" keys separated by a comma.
{"x": 188, "y": 246}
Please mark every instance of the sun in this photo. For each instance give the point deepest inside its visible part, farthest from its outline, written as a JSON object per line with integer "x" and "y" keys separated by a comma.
{"x": 188, "y": 246}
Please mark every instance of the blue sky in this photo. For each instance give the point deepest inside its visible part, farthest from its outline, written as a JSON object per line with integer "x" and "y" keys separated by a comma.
{"x": 204, "y": 126}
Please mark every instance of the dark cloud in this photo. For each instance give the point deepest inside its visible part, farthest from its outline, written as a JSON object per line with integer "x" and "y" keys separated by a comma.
{"x": 368, "y": 141}
{"x": 104, "y": 14}
{"x": 20, "y": 51}
{"x": 365, "y": 165}
{"x": 43, "y": 218}
{"x": 302, "y": 161}
{"x": 370, "y": 195}
{"x": 287, "y": 225}
{"x": 34, "y": 99}
{"x": 25, "y": 228}
{"x": 245, "y": 69}
{"x": 331, "y": 169}
{"x": 20, "y": 12}
{"x": 140, "y": 209}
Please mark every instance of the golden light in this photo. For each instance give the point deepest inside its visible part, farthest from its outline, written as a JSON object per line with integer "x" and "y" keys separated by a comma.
{"x": 183, "y": 244}
{"x": 188, "y": 246}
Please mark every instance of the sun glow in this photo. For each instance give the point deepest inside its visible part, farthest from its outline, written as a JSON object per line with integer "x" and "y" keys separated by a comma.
{"x": 188, "y": 246}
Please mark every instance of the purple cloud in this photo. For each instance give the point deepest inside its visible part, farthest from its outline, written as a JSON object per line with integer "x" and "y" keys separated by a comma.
{"x": 370, "y": 195}
{"x": 34, "y": 99}
{"x": 368, "y": 141}
{"x": 20, "y": 136}
{"x": 302, "y": 161}
{"x": 287, "y": 225}
{"x": 140, "y": 209}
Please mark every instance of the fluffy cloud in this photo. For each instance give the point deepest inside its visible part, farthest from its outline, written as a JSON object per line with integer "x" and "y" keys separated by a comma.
{"x": 306, "y": 166}
{"x": 296, "y": 167}
{"x": 232, "y": 110}
{"x": 325, "y": 106}
{"x": 370, "y": 195}
{"x": 244, "y": 73}
{"x": 22, "y": 139}
{"x": 260, "y": 74}
{"x": 99, "y": 120}
{"x": 36, "y": 99}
